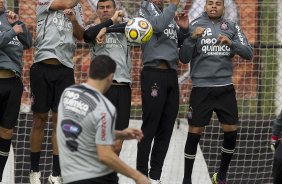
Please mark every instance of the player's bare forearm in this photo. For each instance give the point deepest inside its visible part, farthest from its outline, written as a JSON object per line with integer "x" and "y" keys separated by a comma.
{"x": 109, "y": 158}
{"x": 78, "y": 30}
{"x": 129, "y": 133}
{"x": 61, "y": 5}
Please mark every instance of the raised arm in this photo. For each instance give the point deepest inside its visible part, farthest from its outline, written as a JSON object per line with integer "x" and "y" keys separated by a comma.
{"x": 159, "y": 20}
{"x": 91, "y": 33}
{"x": 78, "y": 30}
{"x": 62, "y": 5}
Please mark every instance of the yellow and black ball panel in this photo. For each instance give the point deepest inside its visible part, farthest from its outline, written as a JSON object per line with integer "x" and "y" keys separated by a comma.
{"x": 133, "y": 34}
{"x": 147, "y": 36}
{"x": 130, "y": 22}
{"x": 143, "y": 24}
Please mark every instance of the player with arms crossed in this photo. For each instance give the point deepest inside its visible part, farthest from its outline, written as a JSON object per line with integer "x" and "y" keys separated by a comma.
{"x": 85, "y": 131}
{"x": 159, "y": 83}
{"x": 58, "y": 25}
{"x": 14, "y": 39}
{"x": 212, "y": 43}
{"x": 114, "y": 44}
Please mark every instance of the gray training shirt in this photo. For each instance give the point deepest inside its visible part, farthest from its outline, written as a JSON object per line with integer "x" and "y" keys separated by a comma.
{"x": 210, "y": 61}
{"x": 54, "y": 33}
{"x": 85, "y": 118}
{"x": 164, "y": 43}
{"x": 12, "y": 46}
{"x": 117, "y": 48}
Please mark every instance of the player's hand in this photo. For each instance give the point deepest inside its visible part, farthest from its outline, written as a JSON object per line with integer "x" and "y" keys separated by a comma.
{"x": 274, "y": 144}
{"x": 182, "y": 20}
{"x": 176, "y": 2}
{"x": 101, "y": 37}
{"x": 132, "y": 133}
{"x": 142, "y": 179}
{"x": 117, "y": 17}
{"x": 199, "y": 31}
{"x": 70, "y": 14}
{"x": 224, "y": 40}
{"x": 18, "y": 29}
{"x": 12, "y": 17}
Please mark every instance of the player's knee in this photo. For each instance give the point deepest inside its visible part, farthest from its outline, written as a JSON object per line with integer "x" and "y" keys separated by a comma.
{"x": 38, "y": 126}
{"x": 6, "y": 133}
{"x": 39, "y": 121}
{"x": 229, "y": 128}
{"x": 196, "y": 130}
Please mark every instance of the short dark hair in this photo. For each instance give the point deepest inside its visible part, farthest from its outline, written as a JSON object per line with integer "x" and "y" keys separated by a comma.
{"x": 101, "y": 67}
{"x": 206, "y": 1}
{"x": 113, "y": 1}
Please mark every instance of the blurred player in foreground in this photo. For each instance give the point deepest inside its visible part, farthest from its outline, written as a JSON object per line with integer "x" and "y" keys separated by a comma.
{"x": 213, "y": 41}
{"x": 86, "y": 131}
{"x": 14, "y": 39}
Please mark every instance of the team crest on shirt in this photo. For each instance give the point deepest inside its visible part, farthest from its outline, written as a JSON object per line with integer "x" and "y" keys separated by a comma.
{"x": 224, "y": 26}
{"x": 155, "y": 90}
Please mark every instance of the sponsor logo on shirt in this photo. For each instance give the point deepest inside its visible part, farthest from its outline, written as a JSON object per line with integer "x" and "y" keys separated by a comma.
{"x": 113, "y": 42}
{"x": 15, "y": 41}
{"x": 171, "y": 33}
{"x": 211, "y": 46}
{"x": 103, "y": 126}
{"x": 71, "y": 101}
{"x": 61, "y": 22}
{"x": 241, "y": 38}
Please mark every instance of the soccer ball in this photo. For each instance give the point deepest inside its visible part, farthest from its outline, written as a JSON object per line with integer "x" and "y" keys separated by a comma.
{"x": 138, "y": 30}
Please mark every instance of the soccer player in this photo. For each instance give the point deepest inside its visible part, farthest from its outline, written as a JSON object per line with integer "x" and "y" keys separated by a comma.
{"x": 86, "y": 130}
{"x": 14, "y": 38}
{"x": 213, "y": 41}
{"x": 58, "y": 25}
{"x": 159, "y": 83}
{"x": 277, "y": 148}
{"x": 115, "y": 45}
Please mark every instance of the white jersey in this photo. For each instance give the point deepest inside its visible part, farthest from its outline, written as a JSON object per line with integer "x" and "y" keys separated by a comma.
{"x": 54, "y": 33}
{"x": 85, "y": 119}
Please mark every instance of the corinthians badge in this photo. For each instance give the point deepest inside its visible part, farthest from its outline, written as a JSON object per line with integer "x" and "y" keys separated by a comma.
{"x": 224, "y": 26}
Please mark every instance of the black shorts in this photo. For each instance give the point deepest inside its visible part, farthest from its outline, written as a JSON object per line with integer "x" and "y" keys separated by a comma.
{"x": 120, "y": 96}
{"x": 10, "y": 101}
{"x": 47, "y": 83}
{"x": 277, "y": 165}
{"x": 206, "y": 100}
{"x": 107, "y": 179}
